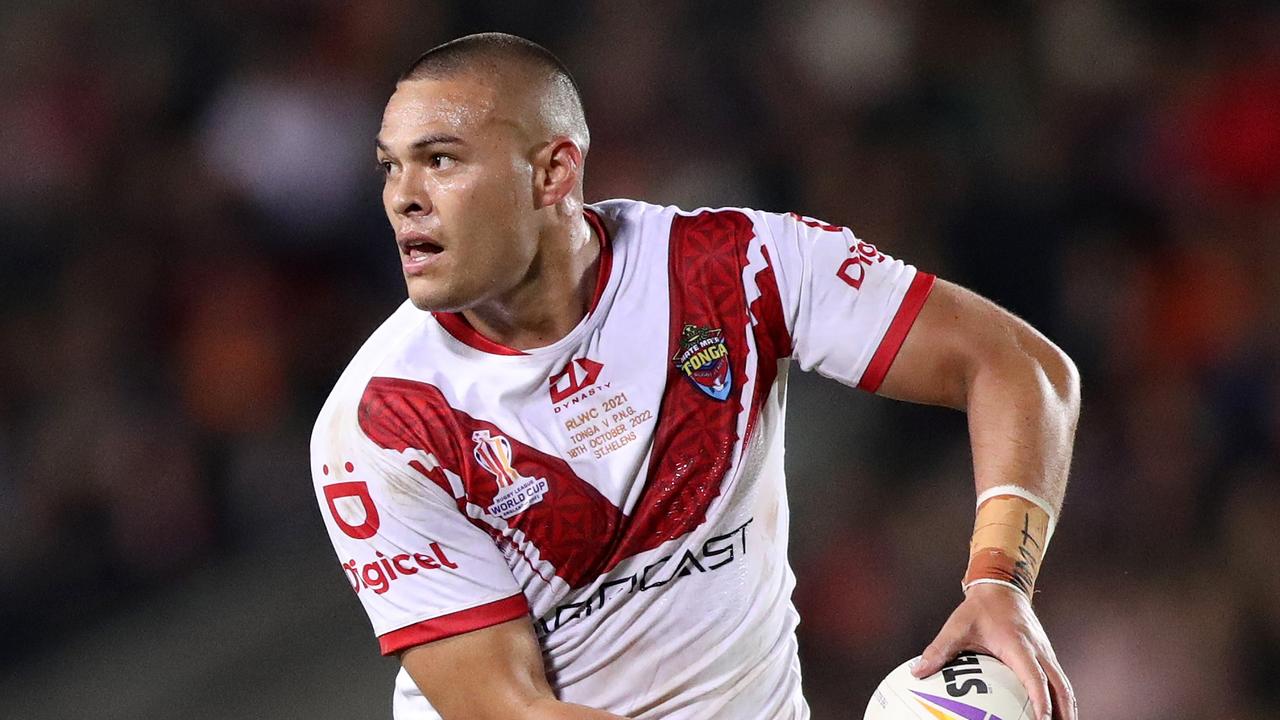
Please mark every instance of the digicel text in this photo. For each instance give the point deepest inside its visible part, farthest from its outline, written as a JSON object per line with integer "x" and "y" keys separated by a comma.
{"x": 379, "y": 574}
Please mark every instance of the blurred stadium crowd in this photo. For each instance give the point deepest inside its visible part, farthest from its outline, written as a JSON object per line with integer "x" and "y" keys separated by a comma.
{"x": 192, "y": 246}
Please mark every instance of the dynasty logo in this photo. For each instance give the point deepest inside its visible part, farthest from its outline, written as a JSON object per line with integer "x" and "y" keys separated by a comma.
{"x": 703, "y": 357}
{"x": 516, "y": 492}
{"x": 577, "y": 375}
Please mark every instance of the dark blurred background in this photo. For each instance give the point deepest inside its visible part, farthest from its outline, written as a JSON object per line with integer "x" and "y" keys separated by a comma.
{"x": 192, "y": 247}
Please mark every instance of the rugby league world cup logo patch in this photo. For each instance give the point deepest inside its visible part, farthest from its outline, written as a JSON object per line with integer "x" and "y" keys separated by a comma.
{"x": 516, "y": 492}
{"x": 703, "y": 357}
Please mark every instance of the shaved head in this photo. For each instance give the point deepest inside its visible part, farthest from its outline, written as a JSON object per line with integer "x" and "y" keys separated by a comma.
{"x": 522, "y": 72}
{"x": 482, "y": 147}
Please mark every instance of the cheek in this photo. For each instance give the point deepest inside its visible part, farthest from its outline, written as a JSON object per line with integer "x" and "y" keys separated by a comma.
{"x": 489, "y": 216}
{"x": 495, "y": 215}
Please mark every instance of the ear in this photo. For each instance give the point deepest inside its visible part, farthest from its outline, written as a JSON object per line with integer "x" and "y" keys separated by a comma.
{"x": 557, "y": 171}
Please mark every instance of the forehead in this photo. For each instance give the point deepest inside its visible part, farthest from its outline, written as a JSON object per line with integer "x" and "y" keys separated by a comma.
{"x": 454, "y": 105}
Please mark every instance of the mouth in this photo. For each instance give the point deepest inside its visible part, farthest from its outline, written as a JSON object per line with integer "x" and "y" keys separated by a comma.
{"x": 418, "y": 250}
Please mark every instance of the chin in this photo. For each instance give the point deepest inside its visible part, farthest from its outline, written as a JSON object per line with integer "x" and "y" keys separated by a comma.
{"x": 430, "y": 303}
{"x": 424, "y": 304}
{"x": 433, "y": 299}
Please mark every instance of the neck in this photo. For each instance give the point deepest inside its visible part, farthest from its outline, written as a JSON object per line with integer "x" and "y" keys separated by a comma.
{"x": 554, "y": 296}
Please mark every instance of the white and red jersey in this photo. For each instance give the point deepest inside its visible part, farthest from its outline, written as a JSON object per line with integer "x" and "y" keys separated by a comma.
{"x": 623, "y": 486}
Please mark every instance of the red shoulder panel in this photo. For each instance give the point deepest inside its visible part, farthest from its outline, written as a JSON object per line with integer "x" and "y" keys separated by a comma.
{"x": 571, "y": 526}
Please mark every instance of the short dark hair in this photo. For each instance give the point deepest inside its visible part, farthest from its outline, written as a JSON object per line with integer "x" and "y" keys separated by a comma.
{"x": 471, "y": 52}
{"x": 486, "y": 53}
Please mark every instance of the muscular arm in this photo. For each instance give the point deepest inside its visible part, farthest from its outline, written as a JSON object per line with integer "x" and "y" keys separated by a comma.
{"x": 1021, "y": 393}
{"x": 493, "y": 673}
{"x": 1022, "y": 396}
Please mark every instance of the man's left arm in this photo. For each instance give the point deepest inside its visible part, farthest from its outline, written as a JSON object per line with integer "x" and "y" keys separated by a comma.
{"x": 1022, "y": 397}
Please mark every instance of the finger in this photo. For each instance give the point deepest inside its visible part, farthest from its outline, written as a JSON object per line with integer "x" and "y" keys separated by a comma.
{"x": 944, "y": 647}
{"x": 1018, "y": 656}
{"x": 1060, "y": 690}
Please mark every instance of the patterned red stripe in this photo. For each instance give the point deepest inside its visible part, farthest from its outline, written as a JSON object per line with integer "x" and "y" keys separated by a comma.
{"x": 883, "y": 358}
{"x": 773, "y": 342}
{"x": 694, "y": 440}
{"x": 571, "y": 527}
{"x": 481, "y": 616}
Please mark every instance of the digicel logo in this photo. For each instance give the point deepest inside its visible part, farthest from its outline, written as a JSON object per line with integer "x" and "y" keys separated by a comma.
{"x": 578, "y": 375}
{"x": 361, "y": 521}
{"x": 379, "y": 574}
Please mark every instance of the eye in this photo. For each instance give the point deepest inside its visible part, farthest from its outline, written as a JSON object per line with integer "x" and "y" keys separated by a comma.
{"x": 440, "y": 161}
{"x": 386, "y": 166}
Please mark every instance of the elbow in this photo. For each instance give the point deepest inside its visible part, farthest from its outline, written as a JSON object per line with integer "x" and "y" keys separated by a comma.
{"x": 1068, "y": 385}
{"x": 1029, "y": 359}
{"x": 1059, "y": 372}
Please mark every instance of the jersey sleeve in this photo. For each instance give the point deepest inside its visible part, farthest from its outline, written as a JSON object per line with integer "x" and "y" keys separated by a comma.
{"x": 847, "y": 306}
{"x": 421, "y": 569}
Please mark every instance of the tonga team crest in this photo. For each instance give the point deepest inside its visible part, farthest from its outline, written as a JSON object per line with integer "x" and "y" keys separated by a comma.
{"x": 703, "y": 357}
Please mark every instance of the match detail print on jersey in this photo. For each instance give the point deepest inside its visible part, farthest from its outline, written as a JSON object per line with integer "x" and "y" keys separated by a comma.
{"x": 598, "y": 419}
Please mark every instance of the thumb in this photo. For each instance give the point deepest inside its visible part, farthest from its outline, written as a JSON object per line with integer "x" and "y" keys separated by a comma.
{"x": 943, "y": 648}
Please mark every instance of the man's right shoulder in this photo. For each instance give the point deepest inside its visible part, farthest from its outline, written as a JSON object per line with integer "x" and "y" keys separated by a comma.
{"x": 626, "y": 211}
{"x": 373, "y": 353}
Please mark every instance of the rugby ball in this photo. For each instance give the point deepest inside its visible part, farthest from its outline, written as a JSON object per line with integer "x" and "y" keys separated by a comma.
{"x": 970, "y": 687}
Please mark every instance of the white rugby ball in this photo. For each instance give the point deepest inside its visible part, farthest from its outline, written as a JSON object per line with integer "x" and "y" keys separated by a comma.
{"x": 970, "y": 687}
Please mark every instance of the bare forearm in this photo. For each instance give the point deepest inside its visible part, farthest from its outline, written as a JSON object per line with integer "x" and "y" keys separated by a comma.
{"x": 1022, "y": 393}
{"x": 1023, "y": 405}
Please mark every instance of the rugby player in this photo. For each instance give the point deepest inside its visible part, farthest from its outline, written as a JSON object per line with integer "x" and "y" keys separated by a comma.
{"x": 554, "y": 476}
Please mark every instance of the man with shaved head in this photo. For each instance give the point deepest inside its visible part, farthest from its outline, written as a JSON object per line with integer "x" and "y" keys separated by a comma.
{"x": 553, "y": 476}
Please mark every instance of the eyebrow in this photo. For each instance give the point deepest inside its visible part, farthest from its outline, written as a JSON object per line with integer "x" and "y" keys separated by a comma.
{"x": 424, "y": 141}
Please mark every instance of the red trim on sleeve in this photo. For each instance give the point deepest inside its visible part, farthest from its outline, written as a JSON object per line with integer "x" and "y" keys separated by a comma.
{"x": 880, "y": 363}
{"x": 481, "y": 616}
{"x": 457, "y": 326}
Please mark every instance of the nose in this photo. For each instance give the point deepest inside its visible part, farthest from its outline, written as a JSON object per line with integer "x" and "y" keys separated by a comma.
{"x": 409, "y": 194}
